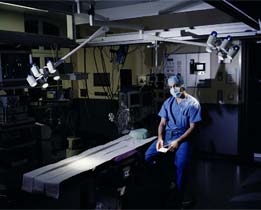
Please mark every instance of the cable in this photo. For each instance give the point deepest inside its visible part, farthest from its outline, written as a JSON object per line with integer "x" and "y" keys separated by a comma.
{"x": 133, "y": 50}
{"x": 52, "y": 52}
{"x": 112, "y": 76}
{"x": 106, "y": 54}
{"x": 96, "y": 66}
{"x": 114, "y": 68}
{"x": 105, "y": 71}
{"x": 85, "y": 71}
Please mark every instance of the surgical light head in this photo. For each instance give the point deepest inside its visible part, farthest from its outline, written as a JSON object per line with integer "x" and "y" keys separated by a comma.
{"x": 35, "y": 71}
{"x": 232, "y": 52}
{"x": 50, "y": 67}
{"x": 56, "y": 76}
{"x": 212, "y": 39}
{"x": 175, "y": 80}
{"x": 31, "y": 80}
{"x": 225, "y": 48}
{"x": 225, "y": 43}
{"x": 44, "y": 72}
{"x": 43, "y": 82}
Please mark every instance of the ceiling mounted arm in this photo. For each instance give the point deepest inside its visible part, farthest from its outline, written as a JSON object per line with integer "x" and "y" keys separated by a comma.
{"x": 78, "y": 6}
{"x": 98, "y": 33}
{"x": 158, "y": 38}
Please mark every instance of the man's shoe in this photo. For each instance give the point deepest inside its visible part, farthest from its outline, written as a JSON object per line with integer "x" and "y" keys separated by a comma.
{"x": 187, "y": 203}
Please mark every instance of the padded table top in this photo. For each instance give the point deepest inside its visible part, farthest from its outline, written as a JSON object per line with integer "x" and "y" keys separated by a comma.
{"x": 47, "y": 179}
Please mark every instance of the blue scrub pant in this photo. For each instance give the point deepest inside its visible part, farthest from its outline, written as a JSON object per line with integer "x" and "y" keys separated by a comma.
{"x": 182, "y": 157}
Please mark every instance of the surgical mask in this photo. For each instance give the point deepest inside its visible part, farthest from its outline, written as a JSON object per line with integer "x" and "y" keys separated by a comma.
{"x": 175, "y": 91}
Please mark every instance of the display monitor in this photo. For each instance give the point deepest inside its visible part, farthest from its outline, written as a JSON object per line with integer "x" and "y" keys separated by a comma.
{"x": 200, "y": 67}
{"x": 65, "y": 68}
{"x": 101, "y": 79}
{"x": 134, "y": 99}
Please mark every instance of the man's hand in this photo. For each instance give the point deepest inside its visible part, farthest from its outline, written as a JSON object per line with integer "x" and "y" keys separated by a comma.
{"x": 173, "y": 146}
{"x": 159, "y": 144}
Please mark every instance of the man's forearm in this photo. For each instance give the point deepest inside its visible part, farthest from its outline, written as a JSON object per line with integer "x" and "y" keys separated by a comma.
{"x": 160, "y": 132}
{"x": 183, "y": 137}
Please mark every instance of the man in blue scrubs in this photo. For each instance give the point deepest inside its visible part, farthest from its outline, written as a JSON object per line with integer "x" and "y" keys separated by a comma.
{"x": 179, "y": 115}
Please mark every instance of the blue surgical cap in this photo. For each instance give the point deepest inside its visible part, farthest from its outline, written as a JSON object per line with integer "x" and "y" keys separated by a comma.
{"x": 175, "y": 79}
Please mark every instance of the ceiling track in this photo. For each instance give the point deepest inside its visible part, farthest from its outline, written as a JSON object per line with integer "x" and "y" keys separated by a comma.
{"x": 229, "y": 8}
{"x": 236, "y": 30}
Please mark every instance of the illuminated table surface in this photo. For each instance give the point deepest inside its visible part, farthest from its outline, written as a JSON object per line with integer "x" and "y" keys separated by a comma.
{"x": 47, "y": 179}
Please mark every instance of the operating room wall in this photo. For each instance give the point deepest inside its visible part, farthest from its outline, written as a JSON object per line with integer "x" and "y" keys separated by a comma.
{"x": 224, "y": 77}
{"x": 11, "y": 21}
{"x": 134, "y": 61}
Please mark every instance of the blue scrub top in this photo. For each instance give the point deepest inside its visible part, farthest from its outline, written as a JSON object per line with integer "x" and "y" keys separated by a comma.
{"x": 179, "y": 116}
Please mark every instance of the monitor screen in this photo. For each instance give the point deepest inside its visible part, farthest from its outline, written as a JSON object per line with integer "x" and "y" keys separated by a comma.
{"x": 65, "y": 68}
{"x": 101, "y": 79}
{"x": 200, "y": 67}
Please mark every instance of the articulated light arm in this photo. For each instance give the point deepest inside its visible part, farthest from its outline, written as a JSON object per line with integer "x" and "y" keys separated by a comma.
{"x": 40, "y": 75}
{"x": 98, "y": 33}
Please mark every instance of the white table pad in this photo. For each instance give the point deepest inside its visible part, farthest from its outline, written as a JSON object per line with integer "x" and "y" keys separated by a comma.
{"x": 47, "y": 179}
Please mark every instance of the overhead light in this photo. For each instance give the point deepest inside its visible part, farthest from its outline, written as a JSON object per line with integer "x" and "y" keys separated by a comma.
{"x": 222, "y": 46}
{"x": 45, "y": 85}
{"x": 232, "y": 52}
{"x": 225, "y": 43}
{"x": 56, "y": 76}
{"x": 40, "y": 76}
{"x": 50, "y": 67}
{"x": 35, "y": 71}
{"x": 43, "y": 82}
{"x": 31, "y": 80}
{"x": 212, "y": 39}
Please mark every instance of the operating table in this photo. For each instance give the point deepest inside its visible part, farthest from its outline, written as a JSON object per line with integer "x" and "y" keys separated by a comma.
{"x": 47, "y": 179}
